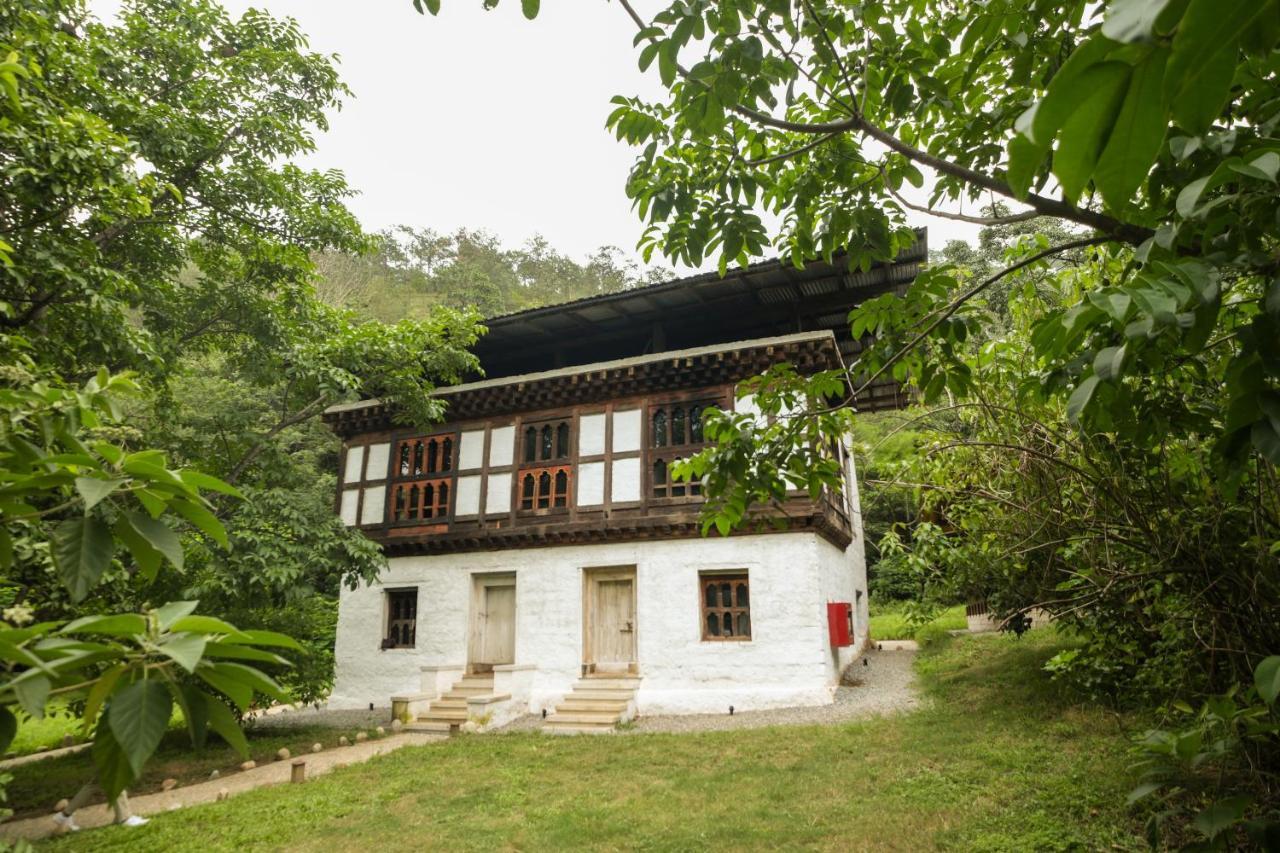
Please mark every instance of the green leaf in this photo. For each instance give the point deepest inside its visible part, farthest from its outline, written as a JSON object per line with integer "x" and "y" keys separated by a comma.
{"x": 1266, "y": 677}
{"x": 1207, "y": 39}
{"x": 1109, "y": 362}
{"x": 1085, "y": 132}
{"x": 1220, "y": 816}
{"x": 98, "y": 693}
{"x": 1138, "y": 133}
{"x": 222, "y": 721}
{"x": 259, "y": 637}
{"x": 119, "y": 625}
{"x": 530, "y": 8}
{"x": 32, "y": 693}
{"x": 259, "y": 681}
{"x": 81, "y": 549}
{"x": 1081, "y": 397}
{"x": 93, "y": 490}
{"x": 8, "y": 728}
{"x": 238, "y": 692}
{"x": 1143, "y": 791}
{"x": 158, "y": 536}
{"x": 1266, "y": 440}
{"x": 186, "y": 650}
{"x": 169, "y": 613}
{"x": 213, "y": 484}
{"x": 1189, "y": 197}
{"x": 1025, "y": 158}
{"x": 203, "y": 519}
{"x": 205, "y": 625}
{"x": 147, "y": 557}
{"x": 115, "y": 773}
{"x": 138, "y": 717}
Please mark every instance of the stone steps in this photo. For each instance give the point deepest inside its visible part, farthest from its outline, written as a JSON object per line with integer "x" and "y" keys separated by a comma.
{"x": 595, "y": 706}
{"x": 450, "y": 710}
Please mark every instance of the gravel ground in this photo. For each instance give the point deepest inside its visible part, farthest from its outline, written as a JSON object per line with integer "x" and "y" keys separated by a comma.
{"x": 885, "y": 687}
{"x": 309, "y": 716}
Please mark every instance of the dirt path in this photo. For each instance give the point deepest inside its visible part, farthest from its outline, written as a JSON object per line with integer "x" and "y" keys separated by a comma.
{"x": 274, "y": 773}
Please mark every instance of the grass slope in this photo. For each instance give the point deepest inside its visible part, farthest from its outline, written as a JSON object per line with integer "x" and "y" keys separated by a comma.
{"x": 889, "y": 621}
{"x": 998, "y": 760}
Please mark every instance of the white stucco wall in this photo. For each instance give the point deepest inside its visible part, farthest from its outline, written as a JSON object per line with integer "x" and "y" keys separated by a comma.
{"x": 787, "y": 661}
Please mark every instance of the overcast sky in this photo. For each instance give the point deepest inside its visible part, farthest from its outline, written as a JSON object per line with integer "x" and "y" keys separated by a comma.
{"x": 483, "y": 119}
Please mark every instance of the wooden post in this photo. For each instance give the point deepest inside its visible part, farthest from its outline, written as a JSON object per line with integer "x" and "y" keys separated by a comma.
{"x": 298, "y": 771}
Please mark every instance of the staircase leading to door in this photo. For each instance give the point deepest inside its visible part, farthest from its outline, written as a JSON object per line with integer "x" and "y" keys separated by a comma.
{"x": 595, "y": 706}
{"x": 450, "y": 710}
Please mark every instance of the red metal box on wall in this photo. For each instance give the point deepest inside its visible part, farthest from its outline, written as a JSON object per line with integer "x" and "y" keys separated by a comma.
{"x": 840, "y": 622}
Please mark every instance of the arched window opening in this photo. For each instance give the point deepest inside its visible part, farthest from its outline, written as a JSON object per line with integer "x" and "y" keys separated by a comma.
{"x": 677, "y": 425}
{"x": 417, "y": 458}
{"x": 544, "y": 490}
{"x": 413, "y": 502}
{"x": 431, "y": 456}
{"x": 660, "y": 428}
{"x": 446, "y": 455}
{"x": 562, "y": 489}
{"x": 405, "y": 450}
{"x": 526, "y": 492}
{"x": 545, "y": 448}
{"x": 428, "y": 501}
{"x": 562, "y": 441}
{"x": 695, "y": 424}
{"x": 530, "y": 445}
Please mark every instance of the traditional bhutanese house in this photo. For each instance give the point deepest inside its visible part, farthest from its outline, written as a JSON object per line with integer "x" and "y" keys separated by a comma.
{"x": 542, "y": 558}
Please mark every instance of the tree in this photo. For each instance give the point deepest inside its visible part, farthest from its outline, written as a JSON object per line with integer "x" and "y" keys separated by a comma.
{"x": 1142, "y": 131}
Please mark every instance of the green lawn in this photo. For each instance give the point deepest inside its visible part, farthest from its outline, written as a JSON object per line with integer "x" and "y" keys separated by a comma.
{"x": 997, "y": 760}
{"x": 889, "y": 621}
{"x": 45, "y": 733}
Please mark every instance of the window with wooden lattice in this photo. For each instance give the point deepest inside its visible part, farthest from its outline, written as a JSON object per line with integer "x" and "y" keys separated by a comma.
{"x": 675, "y": 431}
{"x": 545, "y": 479}
{"x": 423, "y": 478}
{"x": 726, "y": 606}
{"x": 402, "y": 619}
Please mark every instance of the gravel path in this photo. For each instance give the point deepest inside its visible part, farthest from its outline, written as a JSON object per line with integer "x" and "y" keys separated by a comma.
{"x": 886, "y": 686}
{"x": 307, "y": 715}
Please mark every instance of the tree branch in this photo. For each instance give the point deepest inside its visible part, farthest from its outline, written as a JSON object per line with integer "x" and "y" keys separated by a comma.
{"x": 960, "y": 217}
{"x": 972, "y": 292}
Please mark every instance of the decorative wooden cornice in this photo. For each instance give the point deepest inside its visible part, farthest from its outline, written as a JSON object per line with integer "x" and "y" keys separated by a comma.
{"x": 807, "y": 352}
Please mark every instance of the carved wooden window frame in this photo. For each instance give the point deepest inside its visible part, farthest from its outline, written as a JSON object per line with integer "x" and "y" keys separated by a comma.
{"x": 400, "y": 627}
{"x": 713, "y": 611}
{"x": 665, "y": 448}
{"x": 423, "y": 478}
{"x": 546, "y": 455}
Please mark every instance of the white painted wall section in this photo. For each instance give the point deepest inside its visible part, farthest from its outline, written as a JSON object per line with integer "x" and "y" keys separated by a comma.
{"x": 379, "y": 458}
{"x": 626, "y": 480}
{"x": 590, "y": 484}
{"x": 375, "y": 501}
{"x": 591, "y": 435}
{"x": 497, "y": 496}
{"x": 347, "y": 508}
{"x": 626, "y": 430}
{"x": 355, "y": 459}
{"x": 471, "y": 449}
{"x": 502, "y": 446}
{"x": 466, "y": 499}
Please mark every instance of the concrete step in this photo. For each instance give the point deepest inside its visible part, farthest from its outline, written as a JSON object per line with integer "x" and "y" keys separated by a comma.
{"x": 605, "y": 695}
{"x": 426, "y": 726}
{"x": 607, "y": 718}
{"x": 450, "y": 702}
{"x": 457, "y": 692}
{"x": 607, "y": 684}
{"x": 438, "y": 714}
{"x": 574, "y": 703}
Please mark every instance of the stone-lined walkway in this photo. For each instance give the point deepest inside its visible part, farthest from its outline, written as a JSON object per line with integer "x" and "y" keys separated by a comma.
{"x": 275, "y": 773}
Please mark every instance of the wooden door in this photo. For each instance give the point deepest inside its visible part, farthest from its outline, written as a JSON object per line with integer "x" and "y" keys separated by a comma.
{"x": 613, "y": 623}
{"x": 497, "y": 626}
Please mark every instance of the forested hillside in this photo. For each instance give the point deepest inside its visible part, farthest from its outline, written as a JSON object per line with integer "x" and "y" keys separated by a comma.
{"x": 409, "y": 270}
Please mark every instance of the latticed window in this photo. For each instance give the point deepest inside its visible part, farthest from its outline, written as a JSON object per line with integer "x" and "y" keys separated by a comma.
{"x": 546, "y": 441}
{"x": 423, "y": 478}
{"x": 726, "y": 607}
{"x": 545, "y": 488}
{"x": 675, "y": 431}
{"x": 402, "y": 619}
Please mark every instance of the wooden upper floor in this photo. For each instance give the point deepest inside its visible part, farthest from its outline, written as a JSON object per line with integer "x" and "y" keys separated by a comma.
{"x": 579, "y": 454}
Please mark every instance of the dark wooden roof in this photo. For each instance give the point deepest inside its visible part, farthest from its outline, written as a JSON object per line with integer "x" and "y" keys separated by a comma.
{"x": 766, "y": 299}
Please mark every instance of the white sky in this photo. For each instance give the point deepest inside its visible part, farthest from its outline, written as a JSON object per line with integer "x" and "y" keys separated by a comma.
{"x": 485, "y": 120}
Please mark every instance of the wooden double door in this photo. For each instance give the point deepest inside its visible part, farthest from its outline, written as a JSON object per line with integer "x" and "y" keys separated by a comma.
{"x": 493, "y": 623}
{"x": 609, "y": 616}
